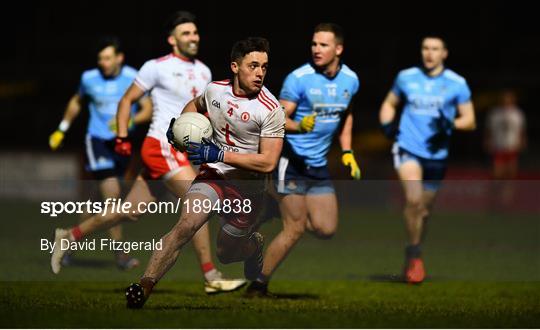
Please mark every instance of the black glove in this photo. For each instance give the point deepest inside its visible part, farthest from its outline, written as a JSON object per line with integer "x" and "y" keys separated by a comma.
{"x": 443, "y": 127}
{"x": 443, "y": 123}
{"x": 170, "y": 136}
{"x": 390, "y": 130}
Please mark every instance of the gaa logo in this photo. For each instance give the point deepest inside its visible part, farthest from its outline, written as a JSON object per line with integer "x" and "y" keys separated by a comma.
{"x": 244, "y": 116}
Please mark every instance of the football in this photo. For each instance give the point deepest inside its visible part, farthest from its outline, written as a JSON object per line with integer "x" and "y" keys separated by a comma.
{"x": 191, "y": 127}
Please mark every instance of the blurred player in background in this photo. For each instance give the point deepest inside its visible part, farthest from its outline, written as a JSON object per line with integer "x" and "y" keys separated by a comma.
{"x": 435, "y": 101}
{"x": 172, "y": 81}
{"x": 248, "y": 128}
{"x": 506, "y": 136}
{"x": 101, "y": 89}
{"x": 317, "y": 100}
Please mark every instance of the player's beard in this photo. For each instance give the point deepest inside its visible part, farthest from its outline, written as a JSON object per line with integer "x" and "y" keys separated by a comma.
{"x": 432, "y": 68}
{"x": 110, "y": 72}
{"x": 189, "y": 50}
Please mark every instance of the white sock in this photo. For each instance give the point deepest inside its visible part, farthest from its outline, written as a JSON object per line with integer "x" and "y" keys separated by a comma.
{"x": 212, "y": 275}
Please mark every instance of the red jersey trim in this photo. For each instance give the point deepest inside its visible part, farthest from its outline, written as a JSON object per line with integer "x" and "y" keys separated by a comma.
{"x": 185, "y": 59}
{"x": 265, "y": 103}
{"x": 163, "y": 58}
{"x": 222, "y": 82}
{"x": 268, "y": 99}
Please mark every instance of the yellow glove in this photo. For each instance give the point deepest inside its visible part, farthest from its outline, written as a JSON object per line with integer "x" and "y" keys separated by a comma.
{"x": 348, "y": 160}
{"x": 307, "y": 123}
{"x": 114, "y": 128}
{"x": 56, "y": 138}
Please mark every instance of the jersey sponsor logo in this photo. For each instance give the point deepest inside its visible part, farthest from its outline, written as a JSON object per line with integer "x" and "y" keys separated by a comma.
{"x": 244, "y": 116}
{"x": 216, "y": 104}
{"x": 329, "y": 112}
{"x": 234, "y": 105}
{"x": 230, "y": 148}
{"x": 426, "y": 104}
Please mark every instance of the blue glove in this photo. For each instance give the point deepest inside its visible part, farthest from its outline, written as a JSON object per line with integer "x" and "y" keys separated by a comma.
{"x": 205, "y": 152}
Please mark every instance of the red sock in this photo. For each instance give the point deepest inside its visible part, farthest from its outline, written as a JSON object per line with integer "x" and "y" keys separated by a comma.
{"x": 206, "y": 267}
{"x": 76, "y": 232}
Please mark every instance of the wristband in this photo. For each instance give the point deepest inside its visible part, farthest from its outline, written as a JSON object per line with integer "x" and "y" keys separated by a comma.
{"x": 64, "y": 126}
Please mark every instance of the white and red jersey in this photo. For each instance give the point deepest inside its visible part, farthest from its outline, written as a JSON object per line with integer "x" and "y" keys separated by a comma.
{"x": 506, "y": 126}
{"x": 173, "y": 82}
{"x": 239, "y": 122}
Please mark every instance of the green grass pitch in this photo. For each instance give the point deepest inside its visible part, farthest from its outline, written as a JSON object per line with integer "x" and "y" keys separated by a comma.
{"x": 484, "y": 272}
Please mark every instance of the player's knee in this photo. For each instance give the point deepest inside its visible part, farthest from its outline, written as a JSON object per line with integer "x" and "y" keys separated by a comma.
{"x": 295, "y": 231}
{"x": 324, "y": 233}
{"x": 415, "y": 203}
{"x": 295, "y": 226}
{"x": 417, "y": 210}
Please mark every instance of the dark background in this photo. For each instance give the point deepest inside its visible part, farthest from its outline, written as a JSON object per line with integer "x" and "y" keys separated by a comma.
{"x": 494, "y": 45}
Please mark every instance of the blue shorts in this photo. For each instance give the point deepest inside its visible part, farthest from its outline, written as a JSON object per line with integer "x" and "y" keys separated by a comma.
{"x": 294, "y": 177}
{"x": 102, "y": 161}
{"x": 433, "y": 170}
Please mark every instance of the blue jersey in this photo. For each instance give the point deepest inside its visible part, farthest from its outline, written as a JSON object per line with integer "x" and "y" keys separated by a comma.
{"x": 103, "y": 95}
{"x": 429, "y": 111}
{"x": 312, "y": 92}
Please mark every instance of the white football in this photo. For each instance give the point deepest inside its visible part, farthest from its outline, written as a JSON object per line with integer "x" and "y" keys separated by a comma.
{"x": 191, "y": 127}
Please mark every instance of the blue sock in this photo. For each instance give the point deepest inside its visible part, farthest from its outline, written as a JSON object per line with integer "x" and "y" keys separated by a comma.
{"x": 262, "y": 279}
{"x": 413, "y": 251}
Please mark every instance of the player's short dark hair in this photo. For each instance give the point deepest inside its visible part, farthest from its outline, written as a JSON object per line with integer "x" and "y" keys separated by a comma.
{"x": 109, "y": 41}
{"x": 252, "y": 44}
{"x": 179, "y": 17}
{"x": 435, "y": 36}
{"x": 331, "y": 27}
